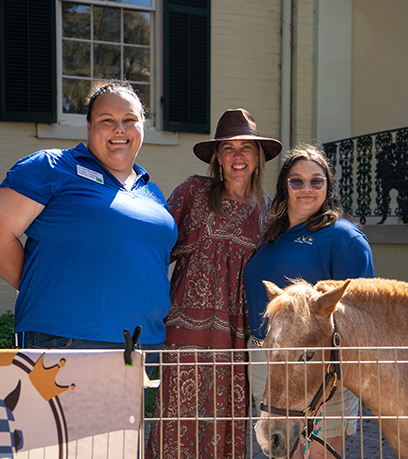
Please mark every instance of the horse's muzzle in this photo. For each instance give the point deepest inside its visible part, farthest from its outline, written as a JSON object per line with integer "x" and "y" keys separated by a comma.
{"x": 274, "y": 440}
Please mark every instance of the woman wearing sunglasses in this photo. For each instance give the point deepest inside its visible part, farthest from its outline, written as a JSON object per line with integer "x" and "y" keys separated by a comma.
{"x": 308, "y": 238}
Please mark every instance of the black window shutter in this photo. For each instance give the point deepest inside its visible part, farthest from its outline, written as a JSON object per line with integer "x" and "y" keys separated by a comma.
{"x": 27, "y": 61}
{"x": 187, "y": 66}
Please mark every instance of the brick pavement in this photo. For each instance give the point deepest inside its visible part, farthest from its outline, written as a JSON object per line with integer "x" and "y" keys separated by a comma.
{"x": 365, "y": 444}
{"x": 361, "y": 445}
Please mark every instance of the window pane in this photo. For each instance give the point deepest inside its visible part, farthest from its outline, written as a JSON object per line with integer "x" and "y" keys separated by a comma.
{"x": 135, "y": 2}
{"x": 136, "y": 28}
{"x": 106, "y": 61}
{"x": 136, "y": 63}
{"x": 74, "y": 94}
{"x": 143, "y": 91}
{"x": 76, "y": 58}
{"x": 106, "y": 24}
{"x": 138, "y": 2}
{"x": 76, "y": 21}
{"x": 102, "y": 43}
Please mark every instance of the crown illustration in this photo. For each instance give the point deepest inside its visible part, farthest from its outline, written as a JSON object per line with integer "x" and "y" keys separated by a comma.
{"x": 43, "y": 379}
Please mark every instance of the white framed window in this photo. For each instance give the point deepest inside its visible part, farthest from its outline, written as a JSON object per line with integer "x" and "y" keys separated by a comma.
{"x": 101, "y": 40}
{"x": 59, "y": 48}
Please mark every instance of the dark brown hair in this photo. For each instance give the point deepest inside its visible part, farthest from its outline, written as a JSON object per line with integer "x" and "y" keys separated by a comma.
{"x": 110, "y": 87}
{"x": 331, "y": 209}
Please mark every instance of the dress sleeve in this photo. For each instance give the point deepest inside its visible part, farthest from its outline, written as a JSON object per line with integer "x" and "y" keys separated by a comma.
{"x": 180, "y": 205}
{"x": 354, "y": 259}
{"x": 180, "y": 201}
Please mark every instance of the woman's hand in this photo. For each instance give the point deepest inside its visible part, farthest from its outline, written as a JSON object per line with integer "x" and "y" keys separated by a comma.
{"x": 17, "y": 212}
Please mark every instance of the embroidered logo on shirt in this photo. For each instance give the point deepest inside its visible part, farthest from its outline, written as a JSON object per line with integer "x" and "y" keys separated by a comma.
{"x": 89, "y": 174}
{"x": 304, "y": 240}
{"x": 151, "y": 195}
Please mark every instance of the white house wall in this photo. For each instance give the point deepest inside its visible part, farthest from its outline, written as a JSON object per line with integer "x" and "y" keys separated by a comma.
{"x": 380, "y": 66}
{"x": 245, "y": 72}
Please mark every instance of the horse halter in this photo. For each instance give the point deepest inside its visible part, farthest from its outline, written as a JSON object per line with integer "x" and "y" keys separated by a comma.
{"x": 333, "y": 375}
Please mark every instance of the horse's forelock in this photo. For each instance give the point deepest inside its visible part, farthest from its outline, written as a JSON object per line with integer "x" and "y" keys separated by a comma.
{"x": 274, "y": 307}
{"x": 300, "y": 295}
{"x": 295, "y": 301}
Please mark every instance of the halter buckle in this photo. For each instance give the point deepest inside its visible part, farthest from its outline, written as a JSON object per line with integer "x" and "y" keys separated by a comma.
{"x": 336, "y": 339}
{"x": 309, "y": 413}
{"x": 334, "y": 383}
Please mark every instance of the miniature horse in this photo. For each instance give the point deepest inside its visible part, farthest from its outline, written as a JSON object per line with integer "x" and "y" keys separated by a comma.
{"x": 362, "y": 313}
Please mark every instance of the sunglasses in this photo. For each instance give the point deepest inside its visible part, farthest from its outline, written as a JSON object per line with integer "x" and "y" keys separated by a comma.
{"x": 317, "y": 183}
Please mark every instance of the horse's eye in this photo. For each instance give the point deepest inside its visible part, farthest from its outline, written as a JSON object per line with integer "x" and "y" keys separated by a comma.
{"x": 306, "y": 356}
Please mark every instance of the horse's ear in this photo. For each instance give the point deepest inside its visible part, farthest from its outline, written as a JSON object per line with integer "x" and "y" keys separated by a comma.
{"x": 326, "y": 303}
{"x": 272, "y": 290}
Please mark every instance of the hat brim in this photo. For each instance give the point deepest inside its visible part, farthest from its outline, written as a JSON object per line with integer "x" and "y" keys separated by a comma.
{"x": 205, "y": 150}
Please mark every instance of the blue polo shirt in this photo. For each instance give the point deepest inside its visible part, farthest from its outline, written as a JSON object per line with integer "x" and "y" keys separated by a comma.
{"x": 340, "y": 251}
{"x": 96, "y": 258}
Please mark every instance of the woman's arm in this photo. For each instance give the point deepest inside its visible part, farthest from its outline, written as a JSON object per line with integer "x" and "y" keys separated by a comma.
{"x": 17, "y": 212}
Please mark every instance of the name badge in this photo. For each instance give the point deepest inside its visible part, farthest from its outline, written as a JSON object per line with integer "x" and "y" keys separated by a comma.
{"x": 89, "y": 174}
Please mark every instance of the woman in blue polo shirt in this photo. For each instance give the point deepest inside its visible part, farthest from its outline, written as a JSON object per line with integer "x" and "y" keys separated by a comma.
{"x": 99, "y": 235}
{"x": 308, "y": 239}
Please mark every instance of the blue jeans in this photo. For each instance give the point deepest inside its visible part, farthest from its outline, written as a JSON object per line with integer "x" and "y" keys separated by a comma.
{"x": 151, "y": 357}
{"x": 39, "y": 340}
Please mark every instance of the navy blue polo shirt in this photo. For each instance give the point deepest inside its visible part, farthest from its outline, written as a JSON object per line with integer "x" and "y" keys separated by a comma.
{"x": 338, "y": 252}
{"x": 96, "y": 258}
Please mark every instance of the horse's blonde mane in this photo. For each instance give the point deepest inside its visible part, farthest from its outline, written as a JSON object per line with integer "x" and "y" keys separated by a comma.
{"x": 294, "y": 301}
{"x": 365, "y": 294}
{"x": 370, "y": 294}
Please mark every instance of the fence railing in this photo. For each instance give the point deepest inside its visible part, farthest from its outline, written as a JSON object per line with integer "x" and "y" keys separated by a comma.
{"x": 368, "y": 168}
{"x": 387, "y": 365}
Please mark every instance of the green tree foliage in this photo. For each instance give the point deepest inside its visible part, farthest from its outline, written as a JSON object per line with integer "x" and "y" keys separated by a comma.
{"x": 6, "y": 330}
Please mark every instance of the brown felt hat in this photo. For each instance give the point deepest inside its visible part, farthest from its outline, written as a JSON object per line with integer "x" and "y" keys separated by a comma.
{"x": 237, "y": 124}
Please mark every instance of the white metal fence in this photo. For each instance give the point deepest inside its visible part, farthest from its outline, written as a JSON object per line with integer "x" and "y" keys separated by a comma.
{"x": 368, "y": 442}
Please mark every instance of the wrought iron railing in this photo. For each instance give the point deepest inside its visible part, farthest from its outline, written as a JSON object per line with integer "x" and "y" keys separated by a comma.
{"x": 368, "y": 168}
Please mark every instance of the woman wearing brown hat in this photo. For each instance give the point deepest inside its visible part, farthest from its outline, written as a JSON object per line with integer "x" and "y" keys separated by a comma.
{"x": 221, "y": 222}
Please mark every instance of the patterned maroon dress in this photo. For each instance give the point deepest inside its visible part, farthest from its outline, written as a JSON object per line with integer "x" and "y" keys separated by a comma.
{"x": 208, "y": 311}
